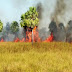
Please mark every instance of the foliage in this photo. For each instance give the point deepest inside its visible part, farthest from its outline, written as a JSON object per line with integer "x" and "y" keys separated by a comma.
{"x": 30, "y": 18}
{"x": 14, "y": 27}
{"x": 1, "y": 26}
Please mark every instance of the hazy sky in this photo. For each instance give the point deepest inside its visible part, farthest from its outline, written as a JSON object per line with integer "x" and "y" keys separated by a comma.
{"x": 11, "y": 10}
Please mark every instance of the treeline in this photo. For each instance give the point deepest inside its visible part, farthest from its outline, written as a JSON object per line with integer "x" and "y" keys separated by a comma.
{"x": 28, "y": 20}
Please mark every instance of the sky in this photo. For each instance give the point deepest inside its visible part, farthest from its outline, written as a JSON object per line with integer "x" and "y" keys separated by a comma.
{"x": 11, "y": 10}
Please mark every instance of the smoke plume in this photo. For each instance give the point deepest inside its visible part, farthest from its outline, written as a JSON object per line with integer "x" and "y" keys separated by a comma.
{"x": 39, "y": 10}
{"x": 59, "y": 11}
{"x": 69, "y": 32}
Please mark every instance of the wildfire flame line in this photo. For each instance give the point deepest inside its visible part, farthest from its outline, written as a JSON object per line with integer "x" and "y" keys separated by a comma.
{"x": 35, "y": 39}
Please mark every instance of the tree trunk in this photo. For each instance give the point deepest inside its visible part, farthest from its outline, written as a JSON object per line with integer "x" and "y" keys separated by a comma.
{"x": 32, "y": 36}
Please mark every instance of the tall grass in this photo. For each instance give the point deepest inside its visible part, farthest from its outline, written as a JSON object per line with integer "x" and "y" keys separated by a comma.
{"x": 39, "y": 57}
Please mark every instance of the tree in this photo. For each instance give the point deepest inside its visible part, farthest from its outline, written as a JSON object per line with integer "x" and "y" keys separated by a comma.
{"x": 69, "y": 32}
{"x": 7, "y": 27}
{"x": 6, "y": 31}
{"x": 14, "y": 28}
{"x": 30, "y": 19}
{"x": 1, "y": 26}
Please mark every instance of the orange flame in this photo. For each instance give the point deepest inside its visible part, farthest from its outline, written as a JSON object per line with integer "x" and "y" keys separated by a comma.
{"x": 50, "y": 38}
{"x": 36, "y": 37}
{"x": 2, "y": 40}
{"x": 17, "y": 40}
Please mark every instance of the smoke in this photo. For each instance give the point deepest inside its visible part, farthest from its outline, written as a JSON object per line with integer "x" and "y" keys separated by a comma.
{"x": 69, "y": 32}
{"x": 53, "y": 29}
{"x": 39, "y": 10}
{"x": 48, "y": 10}
{"x": 59, "y": 17}
{"x": 59, "y": 11}
{"x": 19, "y": 4}
{"x": 59, "y": 32}
{"x": 44, "y": 8}
{"x": 53, "y": 17}
{"x": 43, "y": 33}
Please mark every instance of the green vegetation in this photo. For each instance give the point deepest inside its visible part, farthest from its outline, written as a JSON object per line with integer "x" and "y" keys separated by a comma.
{"x": 30, "y": 18}
{"x": 14, "y": 27}
{"x": 1, "y": 26}
{"x": 39, "y": 57}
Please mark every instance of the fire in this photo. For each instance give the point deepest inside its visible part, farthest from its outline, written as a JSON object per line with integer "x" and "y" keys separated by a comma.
{"x": 36, "y": 37}
{"x": 49, "y": 39}
{"x": 2, "y": 40}
{"x": 22, "y": 40}
{"x": 34, "y": 28}
{"x": 17, "y": 40}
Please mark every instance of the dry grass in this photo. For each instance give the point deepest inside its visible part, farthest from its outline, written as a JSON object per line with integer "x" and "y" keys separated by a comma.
{"x": 39, "y": 57}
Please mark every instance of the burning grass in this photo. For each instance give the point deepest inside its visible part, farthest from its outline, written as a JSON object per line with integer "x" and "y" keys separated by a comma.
{"x": 39, "y": 57}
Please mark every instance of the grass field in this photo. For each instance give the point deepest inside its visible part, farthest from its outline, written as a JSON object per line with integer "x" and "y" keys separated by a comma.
{"x": 39, "y": 57}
